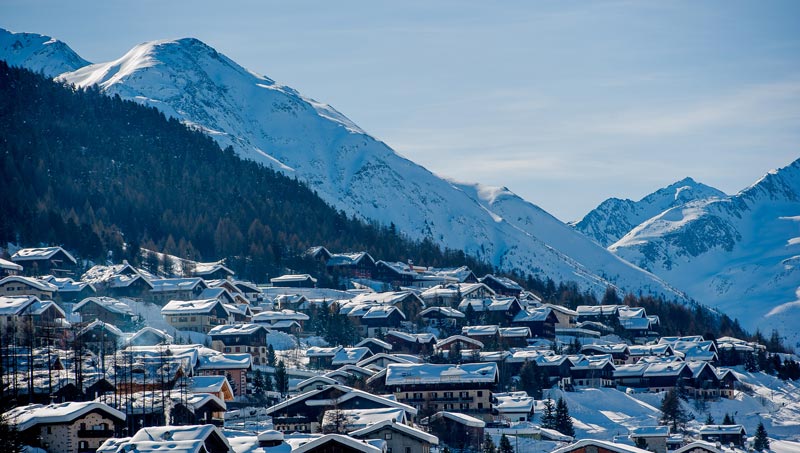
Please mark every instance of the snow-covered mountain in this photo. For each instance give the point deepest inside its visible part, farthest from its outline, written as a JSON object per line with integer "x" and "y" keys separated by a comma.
{"x": 614, "y": 218}
{"x": 38, "y": 52}
{"x": 274, "y": 125}
{"x": 739, "y": 253}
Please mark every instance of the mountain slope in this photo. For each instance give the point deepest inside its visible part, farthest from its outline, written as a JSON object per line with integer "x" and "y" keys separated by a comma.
{"x": 274, "y": 125}
{"x": 614, "y": 218}
{"x": 39, "y": 53}
{"x": 739, "y": 253}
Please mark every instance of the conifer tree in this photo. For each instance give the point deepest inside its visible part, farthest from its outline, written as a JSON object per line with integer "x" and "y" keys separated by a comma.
{"x": 270, "y": 356}
{"x": 672, "y": 413}
{"x": 709, "y": 419}
{"x": 549, "y": 416}
{"x": 505, "y": 445}
{"x": 563, "y": 419}
{"x": 761, "y": 441}
{"x": 488, "y": 444}
{"x": 728, "y": 419}
{"x": 281, "y": 378}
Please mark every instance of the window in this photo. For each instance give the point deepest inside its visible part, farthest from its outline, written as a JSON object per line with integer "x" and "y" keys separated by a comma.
{"x": 448, "y": 394}
{"x": 83, "y": 445}
{"x": 49, "y": 430}
{"x": 464, "y": 406}
{"x": 387, "y": 436}
{"x": 480, "y": 405}
{"x": 480, "y": 393}
{"x": 408, "y": 449}
{"x": 463, "y": 394}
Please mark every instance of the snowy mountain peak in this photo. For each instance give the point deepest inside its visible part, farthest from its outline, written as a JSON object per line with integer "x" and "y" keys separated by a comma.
{"x": 38, "y": 53}
{"x": 739, "y": 253}
{"x": 615, "y": 217}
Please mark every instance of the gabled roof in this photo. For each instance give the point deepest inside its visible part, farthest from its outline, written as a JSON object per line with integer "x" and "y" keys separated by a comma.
{"x": 347, "y": 441}
{"x": 348, "y": 259}
{"x": 4, "y": 264}
{"x": 428, "y": 373}
{"x": 399, "y": 427}
{"x": 220, "y": 361}
{"x": 40, "y": 253}
{"x": 177, "y": 434}
{"x": 348, "y": 393}
{"x": 539, "y": 314}
{"x": 26, "y": 417}
{"x": 398, "y": 267}
{"x": 376, "y": 341}
{"x": 177, "y": 284}
{"x": 480, "y": 330}
{"x": 665, "y": 369}
{"x": 453, "y": 338}
{"x": 503, "y": 281}
{"x": 513, "y": 402}
{"x": 236, "y": 329}
{"x": 514, "y": 332}
{"x": 41, "y": 285}
{"x": 650, "y": 431}
{"x": 460, "y": 418}
{"x": 201, "y": 269}
{"x": 385, "y": 298}
{"x": 324, "y": 380}
{"x": 180, "y": 307}
{"x": 412, "y": 337}
{"x": 107, "y": 303}
{"x": 209, "y": 384}
{"x": 488, "y": 304}
{"x": 350, "y": 355}
{"x": 394, "y": 358}
{"x": 604, "y": 444}
{"x": 598, "y": 310}
{"x": 113, "y": 330}
{"x": 283, "y": 315}
{"x": 721, "y": 430}
{"x": 447, "y": 312}
{"x": 292, "y": 278}
{"x": 68, "y": 285}
{"x": 15, "y": 305}
{"x": 167, "y": 338}
{"x": 561, "y": 309}
{"x": 382, "y": 312}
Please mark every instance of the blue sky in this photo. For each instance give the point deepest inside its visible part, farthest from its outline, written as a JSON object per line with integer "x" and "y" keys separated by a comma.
{"x": 566, "y": 103}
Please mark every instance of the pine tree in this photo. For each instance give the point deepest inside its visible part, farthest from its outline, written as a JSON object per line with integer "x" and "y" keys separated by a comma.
{"x": 761, "y": 441}
{"x": 488, "y": 445}
{"x": 259, "y": 382}
{"x": 563, "y": 420}
{"x": 505, "y": 445}
{"x": 728, "y": 419}
{"x": 270, "y": 356}
{"x": 549, "y": 416}
{"x": 709, "y": 420}
{"x": 672, "y": 412}
{"x": 281, "y": 378}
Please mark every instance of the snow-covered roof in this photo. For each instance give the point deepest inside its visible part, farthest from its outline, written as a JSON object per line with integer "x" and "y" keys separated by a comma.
{"x": 350, "y": 356}
{"x": 347, "y": 259}
{"x": 167, "y": 338}
{"x": 348, "y": 393}
{"x": 633, "y": 370}
{"x": 320, "y": 351}
{"x": 635, "y": 323}
{"x": 413, "y": 337}
{"x": 40, "y": 253}
{"x": 503, "y": 281}
{"x": 427, "y": 373}
{"x": 201, "y": 269}
{"x": 41, "y": 285}
{"x": 67, "y": 285}
{"x": 650, "y": 431}
{"x": 4, "y": 264}
{"x": 617, "y": 348}
{"x": 288, "y": 278}
{"x": 400, "y": 427}
{"x": 236, "y": 329}
{"x": 357, "y": 445}
{"x": 458, "y": 417}
{"x": 488, "y": 304}
{"x": 653, "y": 349}
{"x": 383, "y": 298}
{"x": 597, "y": 310}
{"x": 107, "y": 303}
{"x": 26, "y": 417}
{"x": 707, "y": 430}
{"x": 207, "y": 384}
{"x": 452, "y": 290}
{"x": 174, "y": 435}
{"x": 382, "y": 312}
{"x": 513, "y": 402}
{"x": 15, "y": 305}
{"x": 561, "y": 309}
{"x": 357, "y": 419}
{"x": 376, "y": 341}
{"x": 514, "y": 332}
{"x": 612, "y": 447}
{"x": 480, "y": 330}
{"x": 176, "y": 284}
{"x": 271, "y": 316}
{"x": 220, "y": 361}
{"x": 444, "y": 311}
{"x": 181, "y": 307}
{"x": 454, "y": 338}
{"x": 632, "y": 312}
{"x": 539, "y": 314}
{"x": 664, "y": 369}
{"x": 110, "y": 328}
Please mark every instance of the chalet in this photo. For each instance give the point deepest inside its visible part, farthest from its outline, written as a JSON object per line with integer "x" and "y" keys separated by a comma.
{"x": 236, "y": 338}
{"x": 599, "y": 446}
{"x": 727, "y": 382}
{"x": 502, "y": 285}
{"x": 223, "y": 294}
{"x": 541, "y": 321}
{"x": 408, "y": 302}
{"x": 318, "y": 253}
{"x": 375, "y": 345}
{"x": 9, "y": 268}
{"x": 281, "y": 320}
{"x": 250, "y": 291}
{"x": 458, "y": 343}
{"x": 232, "y": 366}
{"x": 459, "y": 430}
{"x": 701, "y": 446}
{"x": 68, "y": 290}
{"x": 725, "y": 434}
{"x": 637, "y": 352}
{"x": 46, "y": 260}
{"x": 195, "y": 315}
{"x": 566, "y": 317}
{"x": 514, "y": 337}
{"x": 461, "y": 274}
{"x": 293, "y": 302}
{"x": 631, "y": 375}
{"x": 704, "y": 382}
{"x": 17, "y": 285}
{"x": 321, "y": 357}
{"x": 134, "y": 286}
{"x": 199, "y": 408}
{"x": 351, "y": 265}
{"x": 108, "y": 310}
{"x": 219, "y": 386}
{"x": 412, "y": 343}
{"x": 303, "y": 413}
{"x": 190, "y": 438}
{"x": 592, "y": 371}
{"x": 167, "y": 289}
{"x": 661, "y": 377}
{"x": 212, "y": 271}
{"x": 294, "y": 281}
{"x": 466, "y": 387}
{"x": 313, "y": 383}
{"x": 619, "y": 352}
{"x": 488, "y": 335}
{"x": 441, "y": 317}
{"x": 329, "y": 443}
{"x": 101, "y": 337}
{"x": 350, "y": 356}
{"x": 67, "y": 427}
{"x": 239, "y": 313}
{"x": 554, "y": 367}
{"x": 512, "y": 407}
{"x": 379, "y": 361}
{"x": 399, "y": 437}
{"x": 500, "y": 311}
{"x": 377, "y": 319}
{"x": 18, "y": 313}
{"x": 606, "y": 314}
{"x": 395, "y": 274}
{"x": 149, "y": 336}
{"x": 452, "y": 294}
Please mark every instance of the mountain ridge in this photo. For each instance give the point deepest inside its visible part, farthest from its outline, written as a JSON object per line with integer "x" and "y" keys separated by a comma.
{"x": 349, "y": 169}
